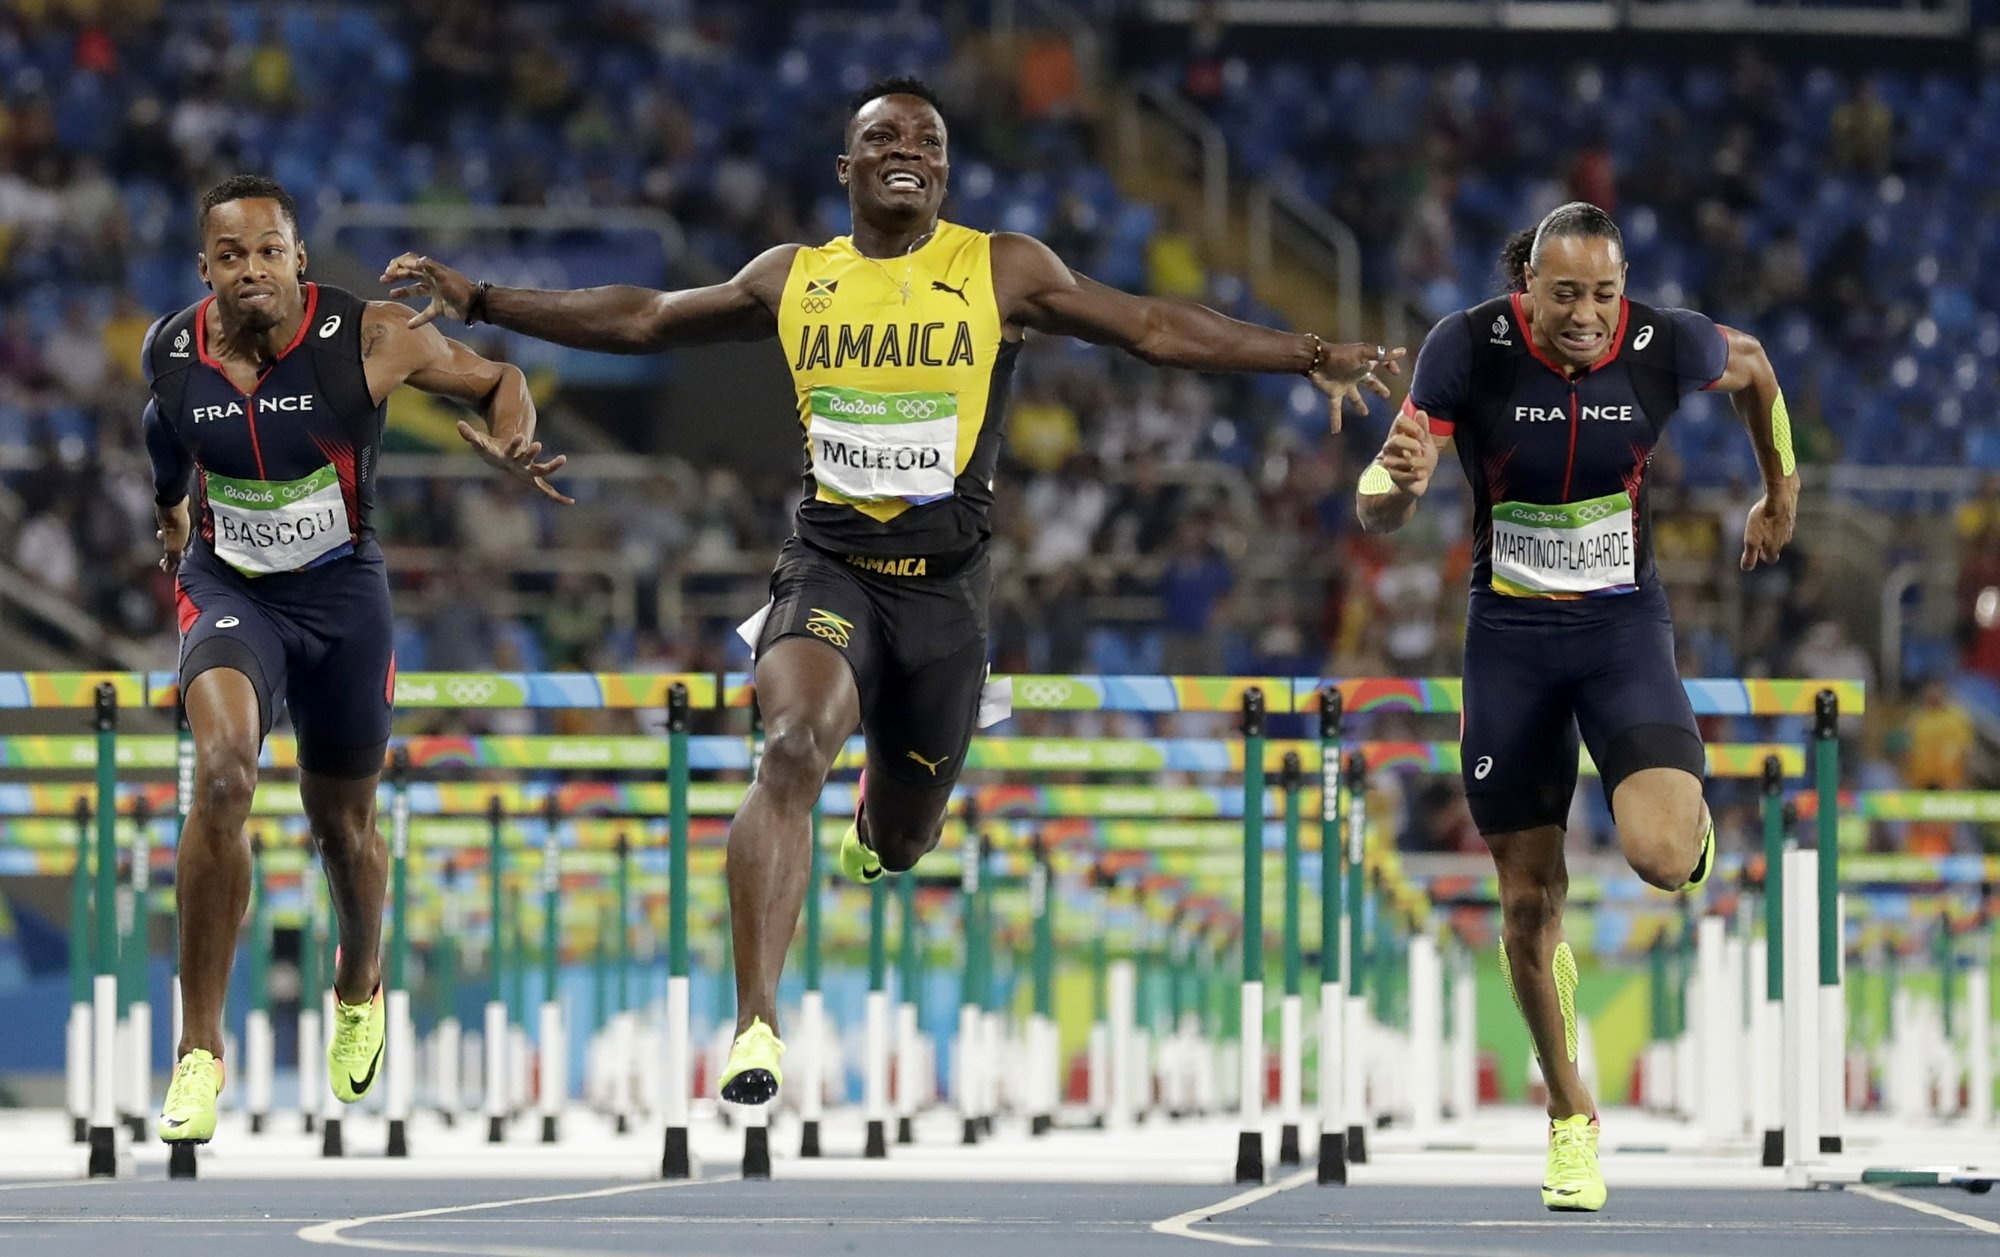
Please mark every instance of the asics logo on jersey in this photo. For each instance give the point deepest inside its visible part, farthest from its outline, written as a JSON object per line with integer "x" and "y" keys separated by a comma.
{"x": 834, "y": 629}
{"x": 328, "y": 328}
{"x": 1644, "y": 338}
{"x": 1484, "y": 766}
{"x": 228, "y": 621}
{"x": 180, "y": 349}
{"x": 916, "y": 407}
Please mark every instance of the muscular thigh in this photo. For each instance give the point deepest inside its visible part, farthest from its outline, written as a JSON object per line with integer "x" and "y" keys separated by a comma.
{"x": 814, "y": 596}
{"x": 1630, "y": 704}
{"x": 919, "y": 722}
{"x": 223, "y": 626}
{"x": 1519, "y": 741}
{"x": 343, "y": 692}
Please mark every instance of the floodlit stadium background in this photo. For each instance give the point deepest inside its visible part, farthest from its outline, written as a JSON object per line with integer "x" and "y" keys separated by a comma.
{"x": 1825, "y": 176}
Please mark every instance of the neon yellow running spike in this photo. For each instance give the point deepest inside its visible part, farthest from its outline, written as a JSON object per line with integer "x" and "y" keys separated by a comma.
{"x": 354, "y": 1056}
{"x": 752, "y": 1075}
{"x": 188, "y": 1116}
{"x": 1705, "y": 863}
{"x": 1571, "y": 1182}
{"x": 856, "y": 861}
{"x": 1565, "y": 969}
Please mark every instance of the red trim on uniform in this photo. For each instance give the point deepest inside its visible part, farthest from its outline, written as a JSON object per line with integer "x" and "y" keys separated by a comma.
{"x": 1725, "y": 359}
{"x": 201, "y": 340}
{"x": 1575, "y": 421}
{"x": 342, "y": 458}
{"x": 1438, "y": 427}
{"x": 1528, "y": 335}
{"x": 389, "y": 686}
{"x": 184, "y": 609}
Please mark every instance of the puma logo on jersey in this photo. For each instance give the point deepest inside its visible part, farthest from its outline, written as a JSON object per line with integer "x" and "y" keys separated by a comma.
{"x": 932, "y": 764}
{"x": 938, "y": 285}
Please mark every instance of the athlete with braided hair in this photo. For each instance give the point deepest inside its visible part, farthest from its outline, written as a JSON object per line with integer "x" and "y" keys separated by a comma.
{"x": 1555, "y": 395}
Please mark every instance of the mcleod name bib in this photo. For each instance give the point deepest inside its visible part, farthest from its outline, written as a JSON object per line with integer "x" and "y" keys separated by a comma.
{"x": 876, "y": 447}
{"x": 1574, "y": 550}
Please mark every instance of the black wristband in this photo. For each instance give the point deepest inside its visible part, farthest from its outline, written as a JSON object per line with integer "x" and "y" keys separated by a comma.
{"x": 475, "y": 309}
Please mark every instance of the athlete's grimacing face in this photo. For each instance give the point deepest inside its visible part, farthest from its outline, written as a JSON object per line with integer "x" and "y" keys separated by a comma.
{"x": 252, "y": 258}
{"x": 897, "y": 160}
{"x": 1575, "y": 291}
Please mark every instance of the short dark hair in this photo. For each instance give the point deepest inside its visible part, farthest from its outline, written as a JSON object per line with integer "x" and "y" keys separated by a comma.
{"x": 246, "y": 188}
{"x": 894, "y": 85}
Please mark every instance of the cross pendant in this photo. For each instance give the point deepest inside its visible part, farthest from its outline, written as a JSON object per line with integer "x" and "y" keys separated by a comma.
{"x": 905, "y": 286}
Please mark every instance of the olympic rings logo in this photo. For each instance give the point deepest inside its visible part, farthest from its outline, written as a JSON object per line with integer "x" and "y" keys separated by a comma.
{"x": 470, "y": 691}
{"x": 1590, "y": 512}
{"x": 1043, "y": 693}
{"x": 916, "y": 407}
{"x": 816, "y": 305}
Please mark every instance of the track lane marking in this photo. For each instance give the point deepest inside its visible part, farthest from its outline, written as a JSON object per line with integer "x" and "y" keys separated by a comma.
{"x": 1883, "y": 1194}
{"x": 335, "y": 1232}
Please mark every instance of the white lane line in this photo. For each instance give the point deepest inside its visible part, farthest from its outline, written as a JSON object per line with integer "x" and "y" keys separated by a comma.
{"x": 57, "y": 1182}
{"x": 1182, "y": 1224}
{"x": 1987, "y": 1225}
{"x": 335, "y": 1233}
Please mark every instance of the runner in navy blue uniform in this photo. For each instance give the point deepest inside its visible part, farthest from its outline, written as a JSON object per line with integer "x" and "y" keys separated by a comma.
{"x": 1555, "y": 395}
{"x": 273, "y": 390}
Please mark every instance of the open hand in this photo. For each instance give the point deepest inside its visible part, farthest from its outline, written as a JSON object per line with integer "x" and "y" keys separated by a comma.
{"x": 449, "y": 291}
{"x": 518, "y": 458}
{"x": 1347, "y": 369}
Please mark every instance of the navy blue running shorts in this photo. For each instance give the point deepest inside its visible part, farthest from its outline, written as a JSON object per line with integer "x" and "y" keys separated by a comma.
{"x": 1539, "y": 672}
{"x": 322, "y": 639}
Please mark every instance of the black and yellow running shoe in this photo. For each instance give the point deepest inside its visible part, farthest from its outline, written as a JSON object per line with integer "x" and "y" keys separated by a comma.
{"x": 1571, "y": 1182}
{"x": 188, "y": 1116}
{"x": 752, "y": 1075}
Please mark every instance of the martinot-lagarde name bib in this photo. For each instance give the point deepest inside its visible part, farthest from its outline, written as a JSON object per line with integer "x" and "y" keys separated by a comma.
{"x": 1573, "y": 550}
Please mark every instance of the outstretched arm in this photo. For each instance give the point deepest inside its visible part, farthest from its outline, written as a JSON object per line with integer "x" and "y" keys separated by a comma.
{"x": 393, "y": 353}
{"x": 1753, "y": 388}
{"x": 619, "y": 318}
{"x": 1037, "y": 290}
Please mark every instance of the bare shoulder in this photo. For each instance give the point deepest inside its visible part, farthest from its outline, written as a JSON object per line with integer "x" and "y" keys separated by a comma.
{"x": 385, "y": 328}
{"x": 1024, "y": 255}
{"x": 764, "y": 275}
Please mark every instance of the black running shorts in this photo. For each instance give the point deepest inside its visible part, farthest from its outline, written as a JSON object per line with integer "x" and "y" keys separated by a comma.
{"x": 914, "y": 632}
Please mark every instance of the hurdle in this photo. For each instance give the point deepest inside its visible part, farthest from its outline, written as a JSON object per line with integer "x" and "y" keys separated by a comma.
{"x": 1136, "y": 1059}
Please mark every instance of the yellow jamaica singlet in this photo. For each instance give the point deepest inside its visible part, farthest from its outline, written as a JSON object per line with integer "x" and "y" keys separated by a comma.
{"x": 901, "y": 371}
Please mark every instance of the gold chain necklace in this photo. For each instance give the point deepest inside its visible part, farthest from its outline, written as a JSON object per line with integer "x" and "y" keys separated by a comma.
{"x": 903, "y": 284}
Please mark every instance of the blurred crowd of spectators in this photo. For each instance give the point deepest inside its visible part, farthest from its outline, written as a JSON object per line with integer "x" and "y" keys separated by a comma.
{"x": 1146, "y": 522}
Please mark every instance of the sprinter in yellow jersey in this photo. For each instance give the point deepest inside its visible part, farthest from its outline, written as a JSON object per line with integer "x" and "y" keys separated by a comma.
{"x": 901, "y": 339}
